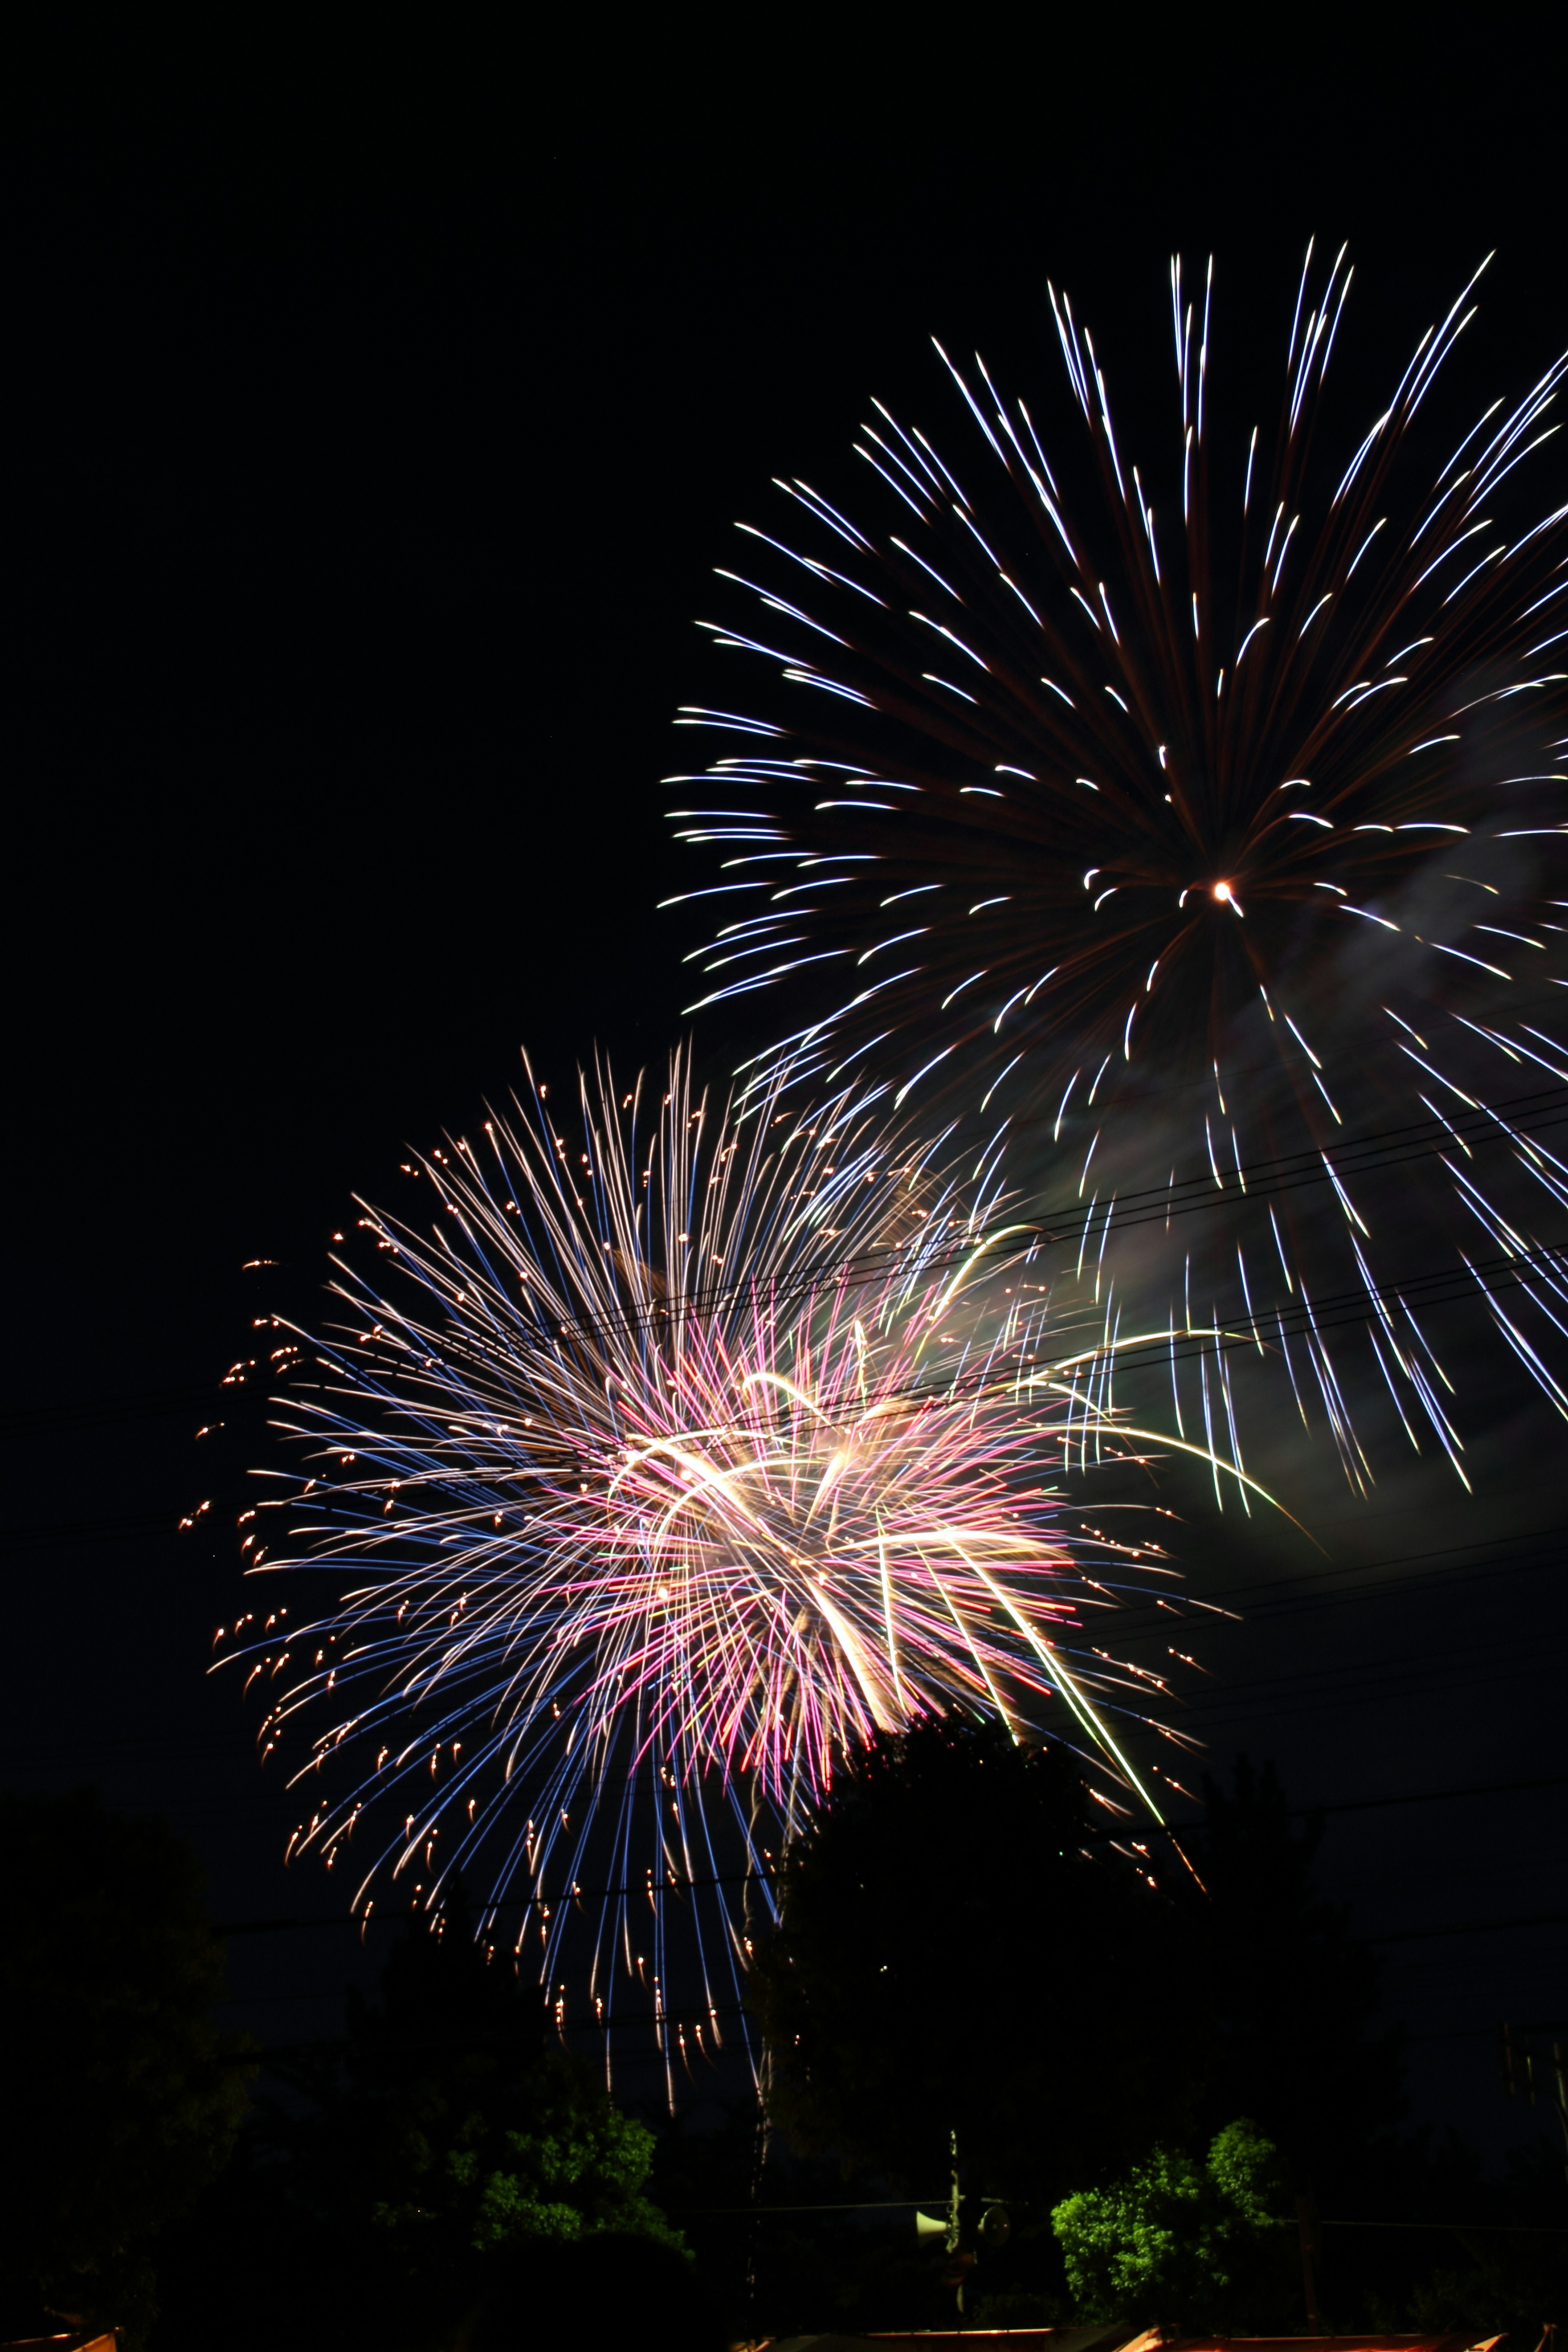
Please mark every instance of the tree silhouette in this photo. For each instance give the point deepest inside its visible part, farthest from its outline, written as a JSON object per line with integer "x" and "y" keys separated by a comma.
{"x": 1295, "y": 1996}
{"x": 437, "y": 2150}
{"x": 958, "y": 1951}
{"x": 121, "y": 2097}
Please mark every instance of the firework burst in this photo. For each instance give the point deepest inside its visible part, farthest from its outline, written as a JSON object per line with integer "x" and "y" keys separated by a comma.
{"x": 665, "y": 1457}
{"x": 1202, "y": 838}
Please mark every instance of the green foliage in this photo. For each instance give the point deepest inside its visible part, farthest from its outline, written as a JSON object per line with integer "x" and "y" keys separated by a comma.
{"x": 435, "y": 2156}
{"x": 1176, "y": 2241}
{"x": 575, "y": 2171}
{"x": 959, "y": 1949}
{"x": 459, "y": 2135}
{"x": 953, "y": 1954}
{"x": 119, "y": 2096}
{"x": 1244, "y": 2169}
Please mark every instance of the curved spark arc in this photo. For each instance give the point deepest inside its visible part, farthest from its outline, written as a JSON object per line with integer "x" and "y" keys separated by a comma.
{"x": 1065, "y": 832}
{"x": 660, "y": 1465}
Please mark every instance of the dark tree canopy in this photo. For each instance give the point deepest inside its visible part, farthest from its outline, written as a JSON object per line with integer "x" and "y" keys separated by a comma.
{"x": 459, "y": 2134}
{"x": 957, "y": 1952}
{"x": 120, "y": 2098}
{"x": 612, "y": 2291}
{"x": 962, "y": 1949}
{"x": 439, "y": 2154}
{"x": 1296, "y": 1997}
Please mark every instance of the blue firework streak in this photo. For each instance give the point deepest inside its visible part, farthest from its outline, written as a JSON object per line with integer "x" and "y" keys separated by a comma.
{"x": 1200, "y": 831}
{"x": 662, "y": 1457}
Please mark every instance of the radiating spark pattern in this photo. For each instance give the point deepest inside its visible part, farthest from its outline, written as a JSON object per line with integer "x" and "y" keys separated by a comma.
{"x": 1190, "y": 819}
{"x": 662, "y": 1458}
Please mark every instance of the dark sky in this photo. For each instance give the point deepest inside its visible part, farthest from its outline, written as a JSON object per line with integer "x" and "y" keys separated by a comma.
{"x": 375, "y": 410}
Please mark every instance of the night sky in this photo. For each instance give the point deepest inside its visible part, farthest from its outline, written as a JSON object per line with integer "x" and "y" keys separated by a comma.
{"x": 375, "y": 414}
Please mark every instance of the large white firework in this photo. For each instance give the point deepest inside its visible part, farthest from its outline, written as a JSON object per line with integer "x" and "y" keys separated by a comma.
{"x": 1198, "y": 830}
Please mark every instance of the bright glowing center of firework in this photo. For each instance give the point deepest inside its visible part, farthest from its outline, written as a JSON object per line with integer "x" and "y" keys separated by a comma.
{"x": 1224, "y": 893}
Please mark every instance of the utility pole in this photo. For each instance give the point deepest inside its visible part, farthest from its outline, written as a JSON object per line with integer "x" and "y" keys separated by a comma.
{"x": 960, "y": 2262}
{"x": 1311, "y": 2246}
{"x": 991, "y": 2232}
{"x": 950, "y": 2228}
{"x": 1518, "y": 2060}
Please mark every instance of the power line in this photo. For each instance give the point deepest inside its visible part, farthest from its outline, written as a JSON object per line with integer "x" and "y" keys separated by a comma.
{"x": 1337, "y": 1694}
{"x": 1337, "y": 1672}
{"x": 1269, "y": 1587}
{"x": 1356, "y": 1155}
{"x": 1277, "y": 1599}
{"x": 96, "y": 1412}
{"x": 1487, "y": 2033}
{"x": 491, "y": 1904}
{"x": 1431, "y": 1796}
{"x": 1471, "y": 1928}
{"x": 668, "y": 2020}
{"x": 1387, "y": 1147}
{"x": 1430, "y": 1288}
{"x": 864, "y": 2205}
{"x": 459, "y": 2044}
{"x": 1496, "y": 2228}
{"x": 729, "y": 1878}
{"x": 1279, "y": 2221}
